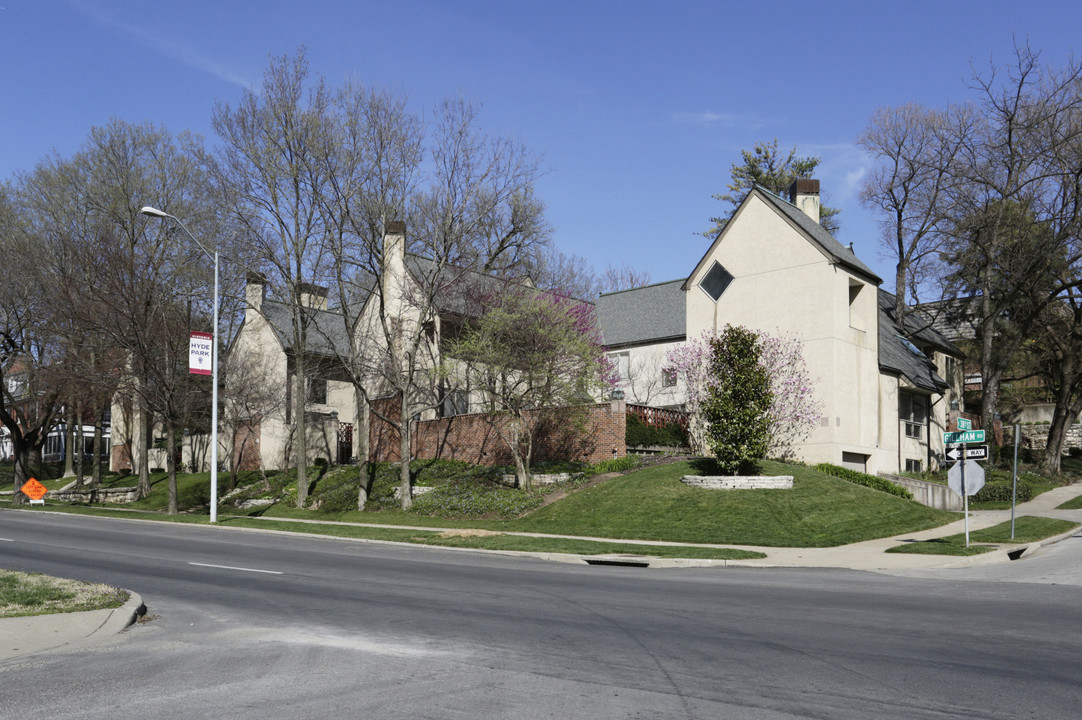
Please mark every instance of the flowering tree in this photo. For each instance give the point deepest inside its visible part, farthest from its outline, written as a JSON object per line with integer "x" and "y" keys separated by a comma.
{"x": 530, "y": 353}
{"x": 795, "y": 409}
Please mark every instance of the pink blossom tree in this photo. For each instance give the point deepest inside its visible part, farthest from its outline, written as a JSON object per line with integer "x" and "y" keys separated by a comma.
{"x": 795, "y": 409}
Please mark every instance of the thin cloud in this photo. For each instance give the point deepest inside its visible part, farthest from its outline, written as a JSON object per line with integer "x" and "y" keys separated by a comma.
{"x": 713, "y": 119}
{"x": 150, "y": 40}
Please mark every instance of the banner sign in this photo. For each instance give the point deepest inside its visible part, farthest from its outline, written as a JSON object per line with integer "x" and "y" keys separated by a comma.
{"x": 200, "y": 353}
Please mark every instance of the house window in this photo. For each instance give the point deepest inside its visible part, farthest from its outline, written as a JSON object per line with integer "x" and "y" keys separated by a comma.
{"x": 913, "y": 411}
{"x": 856, "y": 319}
{"x": 912, "y": 466}
{"x": 668, "y": 378}
{"x": 621, "y": 363}
{"x": 317, "y": 391}
{"x": 716, "y": 281}
{"x": 948, "y": 369}
{"x": 455, "y": 402}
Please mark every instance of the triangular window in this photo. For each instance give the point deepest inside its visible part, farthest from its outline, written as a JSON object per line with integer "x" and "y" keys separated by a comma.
{"x": 716, "y": 281}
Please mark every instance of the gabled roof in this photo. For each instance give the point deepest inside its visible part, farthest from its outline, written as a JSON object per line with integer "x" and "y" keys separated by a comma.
{"x": 655, "y": 313}
{"x": 833, "y": 249}
{"x": 819, "y": 238}
{"x": 326, "y": 333}
{"x": 899, "y": 355}
{"x": 922, "y": 324}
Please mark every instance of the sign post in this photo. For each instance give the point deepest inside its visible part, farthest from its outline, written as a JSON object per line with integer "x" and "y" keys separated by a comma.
{"x": 965, "y": 478}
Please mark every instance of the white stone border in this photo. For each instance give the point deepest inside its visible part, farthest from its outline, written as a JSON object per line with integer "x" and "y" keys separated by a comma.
{"x": 739, "y": 482}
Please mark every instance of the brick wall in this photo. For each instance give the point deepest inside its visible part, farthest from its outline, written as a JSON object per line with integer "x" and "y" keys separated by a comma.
{"x": 590, "y": 433}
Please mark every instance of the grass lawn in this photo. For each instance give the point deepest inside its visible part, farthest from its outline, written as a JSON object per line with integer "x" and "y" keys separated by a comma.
{"x": 1027, "y": 529}
{"x": 1072, "y": 504}
{"x": 649, "y": 504}
{"x": 23, "y": 594}
{"x": 652, "y": 504}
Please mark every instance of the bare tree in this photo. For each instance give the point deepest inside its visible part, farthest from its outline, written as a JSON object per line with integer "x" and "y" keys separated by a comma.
{"x": 623, "y": 277}
{"x": 1015, "y": 219}
{"x": 273, "y": 159}
{"x": 916, "y": 152}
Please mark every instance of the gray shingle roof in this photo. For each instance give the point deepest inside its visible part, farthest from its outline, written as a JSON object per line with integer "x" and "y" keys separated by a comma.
{"x": 326, "y": 334}
{"x": 898, "y": 355}
{"x": 647, "y": 314}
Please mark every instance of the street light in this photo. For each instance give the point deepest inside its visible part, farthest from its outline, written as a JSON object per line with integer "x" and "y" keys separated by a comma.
{"x": 154, "y": 212}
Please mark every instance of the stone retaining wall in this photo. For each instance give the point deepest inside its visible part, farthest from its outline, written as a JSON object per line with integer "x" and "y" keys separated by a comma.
{"x": 101, "y": 495}
{"x": 740, "y": 482}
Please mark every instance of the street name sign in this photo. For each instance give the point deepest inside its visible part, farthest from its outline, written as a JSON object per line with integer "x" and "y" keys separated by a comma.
{"x": 964, "y": 423}
{"x": 966, "y": 436}
{"x": 976, "y": 452}
{"x": 974, "y": 478}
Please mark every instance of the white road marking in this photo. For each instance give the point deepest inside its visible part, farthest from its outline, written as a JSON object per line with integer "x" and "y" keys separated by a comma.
{"x": 6, "y": 540}
{"x": 241, "y": 569}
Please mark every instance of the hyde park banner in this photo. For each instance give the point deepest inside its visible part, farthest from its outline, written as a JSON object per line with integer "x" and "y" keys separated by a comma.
{"x": 200, "y": 353}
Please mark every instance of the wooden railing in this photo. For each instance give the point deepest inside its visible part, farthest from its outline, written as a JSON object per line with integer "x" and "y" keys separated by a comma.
{"x": 658, "y": 417}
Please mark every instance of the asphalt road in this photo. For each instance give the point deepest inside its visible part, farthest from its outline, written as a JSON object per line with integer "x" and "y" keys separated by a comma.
{"x": 259, "y": 625}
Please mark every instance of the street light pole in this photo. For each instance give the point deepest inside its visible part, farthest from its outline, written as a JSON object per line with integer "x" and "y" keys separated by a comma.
{"x": 154, "y": 212}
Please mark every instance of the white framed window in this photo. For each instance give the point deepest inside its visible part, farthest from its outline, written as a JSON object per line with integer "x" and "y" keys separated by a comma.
{"x": 668, "y": 377}
{"x": 913, "y": 412}
{"x": 913, "y": 466}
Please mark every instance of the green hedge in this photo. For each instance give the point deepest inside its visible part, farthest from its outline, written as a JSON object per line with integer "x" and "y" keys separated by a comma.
{"x": 639, "y": 434}
{"x": 872, "y": 481}
{"x": 1001, "y": 491}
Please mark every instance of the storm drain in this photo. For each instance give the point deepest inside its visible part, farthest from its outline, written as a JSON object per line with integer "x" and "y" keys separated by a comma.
{"x": 619, "y": 560}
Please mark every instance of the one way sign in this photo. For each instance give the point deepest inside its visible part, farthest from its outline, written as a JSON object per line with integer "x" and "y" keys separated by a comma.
{"x": 973, "y": 452}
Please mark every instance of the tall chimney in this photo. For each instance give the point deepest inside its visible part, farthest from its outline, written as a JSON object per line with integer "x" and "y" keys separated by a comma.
{"x": 255, "y": 291}
{"x": 394, "y": 260}
{"x": 804, "y": 193}
{"x": 313, "y": 296}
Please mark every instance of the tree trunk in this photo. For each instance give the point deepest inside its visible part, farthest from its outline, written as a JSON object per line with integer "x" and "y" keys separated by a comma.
{"x": 99, "y": 432}
{"x": 171, "y": 464}
{"x": 22, "y": 470}
{"x": 360, "y": 446}
{"x": 300, "y": 422}
{"x": 69, "y": 440}
{"x": 405, "y": 483}
{"x": 1062, "y": 417}
{"x": 80, "y": 460}
{"x": 522, "y": 461}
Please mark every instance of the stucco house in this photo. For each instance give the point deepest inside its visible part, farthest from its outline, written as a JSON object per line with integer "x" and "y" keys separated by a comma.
{"x": 774, "y": 268}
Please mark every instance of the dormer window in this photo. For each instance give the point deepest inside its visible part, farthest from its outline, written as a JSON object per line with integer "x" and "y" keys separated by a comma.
{"x": 715, "y": 281}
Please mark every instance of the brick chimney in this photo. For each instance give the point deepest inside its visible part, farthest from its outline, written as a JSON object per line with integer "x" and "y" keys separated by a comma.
{"x": 804, "y": 193}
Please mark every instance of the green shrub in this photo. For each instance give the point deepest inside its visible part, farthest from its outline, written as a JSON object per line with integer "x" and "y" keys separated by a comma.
{"x": 641, "y": 434}
{"x": 737, "y": 406}
{"x": 871, "y": 481}
{"x": 628, "y": 462}
{"x": 1001, "y": 491}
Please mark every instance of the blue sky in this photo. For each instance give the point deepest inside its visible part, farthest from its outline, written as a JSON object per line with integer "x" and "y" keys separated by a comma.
{"x": 638, "y": 109}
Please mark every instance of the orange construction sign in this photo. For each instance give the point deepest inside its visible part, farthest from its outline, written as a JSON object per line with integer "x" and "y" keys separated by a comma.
{"x": 33, "y": 489}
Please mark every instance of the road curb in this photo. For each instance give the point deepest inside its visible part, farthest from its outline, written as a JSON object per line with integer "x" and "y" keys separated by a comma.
{"x": 124, "y": 616}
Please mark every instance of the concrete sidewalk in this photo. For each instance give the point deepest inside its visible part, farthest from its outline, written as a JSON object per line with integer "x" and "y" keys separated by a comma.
{"x": 20, "y": 637}
{"x": 23, "y": 636}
